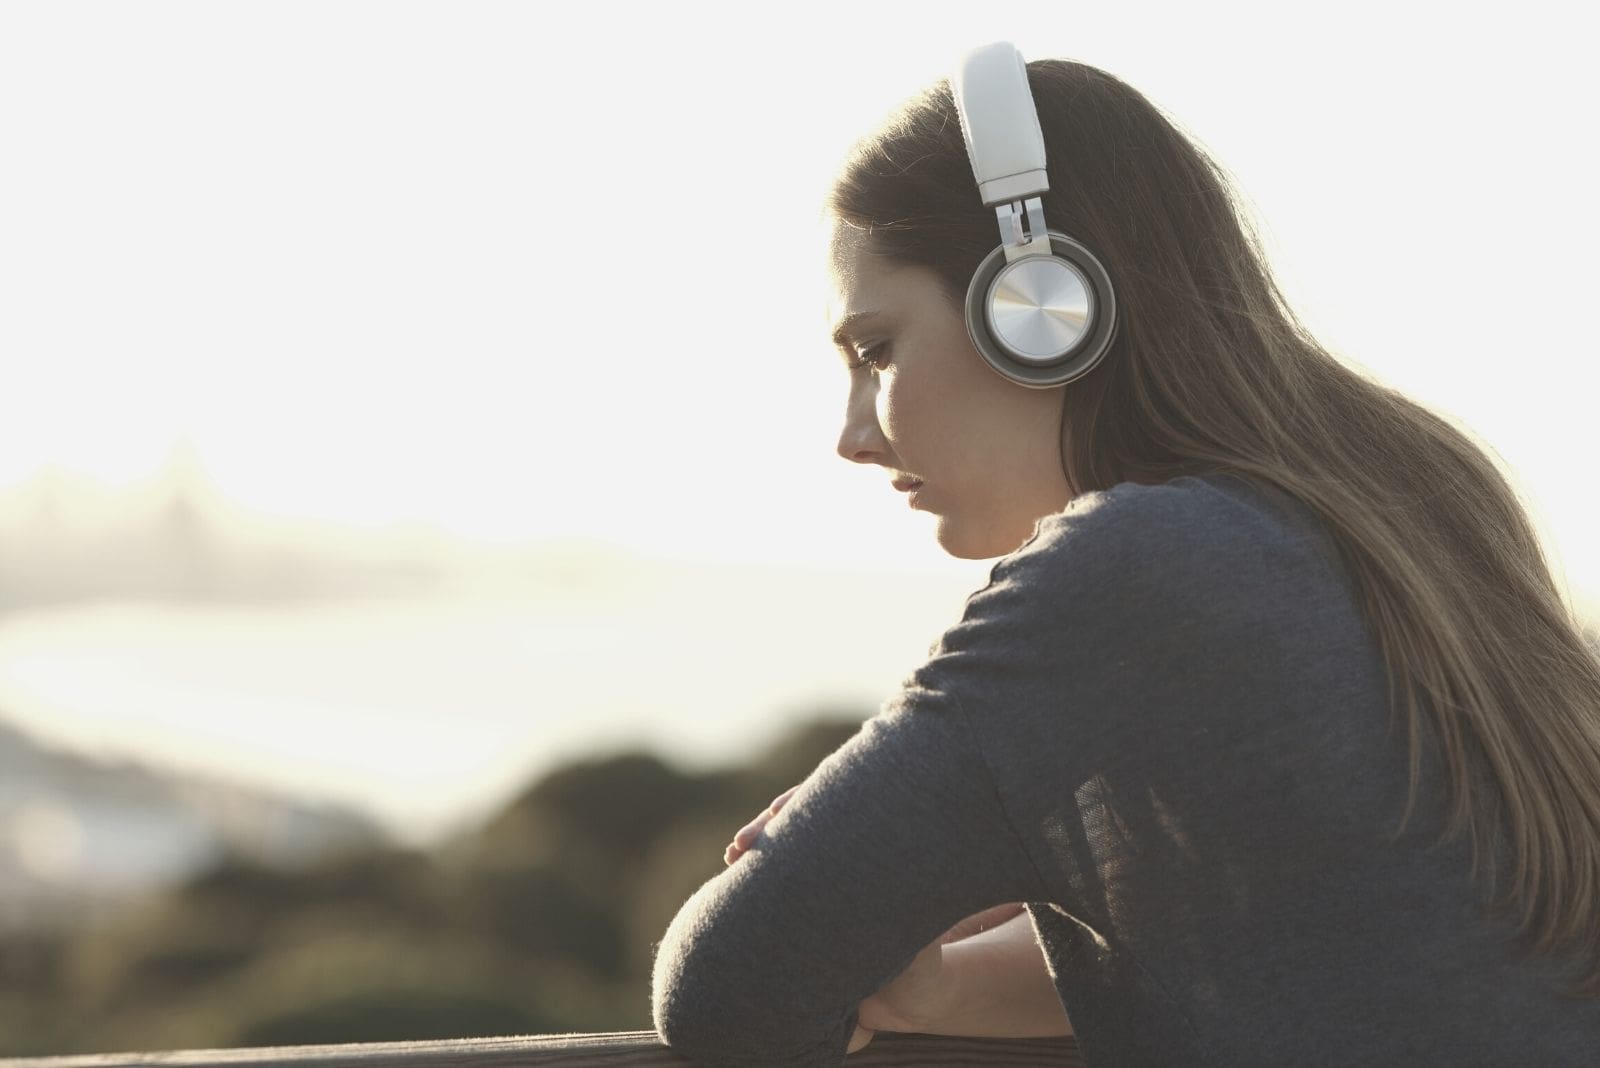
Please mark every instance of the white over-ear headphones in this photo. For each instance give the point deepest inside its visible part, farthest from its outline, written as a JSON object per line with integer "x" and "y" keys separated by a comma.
{"x": 1040, "y": 308}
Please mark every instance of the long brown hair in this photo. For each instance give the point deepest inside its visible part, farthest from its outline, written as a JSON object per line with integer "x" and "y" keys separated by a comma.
{"x": 1212, "y": 372}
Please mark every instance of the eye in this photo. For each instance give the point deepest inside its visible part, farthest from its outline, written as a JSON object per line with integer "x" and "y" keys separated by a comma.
{"x": 876, "y": 356}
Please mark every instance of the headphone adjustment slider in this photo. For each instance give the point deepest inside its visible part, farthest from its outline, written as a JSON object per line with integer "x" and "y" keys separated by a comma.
{"x": 1035, "y": 241}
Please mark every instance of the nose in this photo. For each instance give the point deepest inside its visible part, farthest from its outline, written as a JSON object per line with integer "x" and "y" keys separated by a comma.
{"x": 862, "y": 441}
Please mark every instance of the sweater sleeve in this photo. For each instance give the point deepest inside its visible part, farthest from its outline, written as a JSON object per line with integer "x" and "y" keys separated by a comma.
{"x": 893, "y": 838}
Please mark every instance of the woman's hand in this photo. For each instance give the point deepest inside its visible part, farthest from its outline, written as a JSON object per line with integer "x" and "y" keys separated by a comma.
{"x": 751, "y": 831}
{"x": 918, "y": 996}
{"x": 914, "y": 998}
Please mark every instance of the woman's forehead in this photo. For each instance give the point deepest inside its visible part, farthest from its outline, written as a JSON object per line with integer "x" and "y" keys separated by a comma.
{"x": 862, "y": 276}
{"x": 844, "y": 250}
{"x": 856, "y": 274}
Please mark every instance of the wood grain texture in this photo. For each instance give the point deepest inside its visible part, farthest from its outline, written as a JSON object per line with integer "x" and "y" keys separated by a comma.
{"x": 635, "y": 1049}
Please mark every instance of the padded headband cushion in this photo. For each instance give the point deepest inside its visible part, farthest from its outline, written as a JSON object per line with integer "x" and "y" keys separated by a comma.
{"x": 999, "y": 122}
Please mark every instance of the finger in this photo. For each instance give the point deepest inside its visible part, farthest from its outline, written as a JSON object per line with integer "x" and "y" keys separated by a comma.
{"x": 750, "y": 831}
{"x": 745, "y": 837}
{"x": 861, "y": 1037}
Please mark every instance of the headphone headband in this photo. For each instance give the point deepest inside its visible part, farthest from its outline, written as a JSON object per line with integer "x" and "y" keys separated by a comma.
{"x": 999, "y": 123}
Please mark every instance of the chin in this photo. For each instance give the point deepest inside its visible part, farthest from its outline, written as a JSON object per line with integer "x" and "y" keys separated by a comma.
{"x": 963, "y": 543}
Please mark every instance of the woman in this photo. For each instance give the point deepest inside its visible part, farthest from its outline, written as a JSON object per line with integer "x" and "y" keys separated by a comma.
{"x": 1271, "y": 714}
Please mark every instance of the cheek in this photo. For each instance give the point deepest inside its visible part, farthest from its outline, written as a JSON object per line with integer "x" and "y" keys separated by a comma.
{"x": 928, "y": 407}
{"x": 900, "y": 408}
{"x": 888, "y": 405}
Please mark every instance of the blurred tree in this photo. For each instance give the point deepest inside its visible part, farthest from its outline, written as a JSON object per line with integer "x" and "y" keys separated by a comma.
{"x": 539, "y": 910}
{"x": 620, "y": 804}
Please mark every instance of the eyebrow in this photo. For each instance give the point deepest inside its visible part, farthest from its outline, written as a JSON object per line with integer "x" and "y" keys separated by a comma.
{"x": 841, "y": 332}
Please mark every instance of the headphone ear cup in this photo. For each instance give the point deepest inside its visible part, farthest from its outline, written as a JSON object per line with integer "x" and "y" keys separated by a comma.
{"x": 1048, "y": 321}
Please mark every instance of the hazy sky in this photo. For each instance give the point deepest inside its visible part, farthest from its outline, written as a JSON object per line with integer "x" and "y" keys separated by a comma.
{"x": 521, "y": 270}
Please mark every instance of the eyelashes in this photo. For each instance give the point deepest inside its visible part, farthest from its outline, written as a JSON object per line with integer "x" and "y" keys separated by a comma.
{"x": 872, "y": 356}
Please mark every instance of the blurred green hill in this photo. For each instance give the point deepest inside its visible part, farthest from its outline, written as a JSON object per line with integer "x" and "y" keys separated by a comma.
{"x": 540, "y": 920}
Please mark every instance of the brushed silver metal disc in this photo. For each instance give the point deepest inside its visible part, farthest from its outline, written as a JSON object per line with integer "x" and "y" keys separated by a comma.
{"x": 1039, "y": 307}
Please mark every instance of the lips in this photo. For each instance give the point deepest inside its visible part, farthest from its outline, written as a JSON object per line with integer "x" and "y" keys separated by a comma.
{"x": 904, "y": 484}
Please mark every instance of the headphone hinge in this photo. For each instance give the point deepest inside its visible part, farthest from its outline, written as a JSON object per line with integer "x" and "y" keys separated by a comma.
{"x": 1034, "y": 241}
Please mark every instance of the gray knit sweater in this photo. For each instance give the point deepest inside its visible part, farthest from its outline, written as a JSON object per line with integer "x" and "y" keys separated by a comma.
{"x": 1164, "y": 725}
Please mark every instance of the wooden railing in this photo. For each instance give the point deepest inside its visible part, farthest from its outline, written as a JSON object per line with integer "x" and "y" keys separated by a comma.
{"x": 635, "y": 1049}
